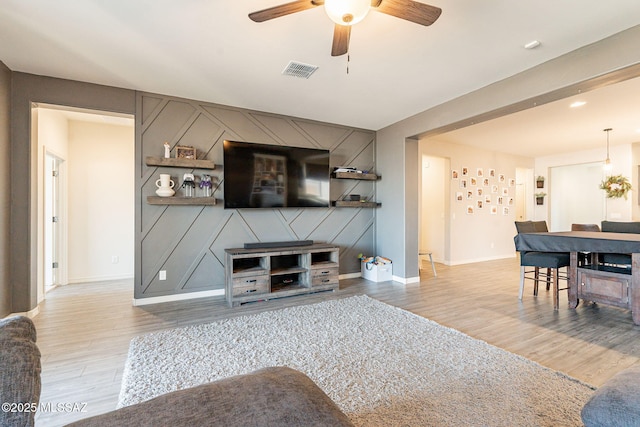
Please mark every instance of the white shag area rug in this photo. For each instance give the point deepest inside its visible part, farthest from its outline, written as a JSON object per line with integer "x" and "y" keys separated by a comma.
{"x": 382, "y": 365}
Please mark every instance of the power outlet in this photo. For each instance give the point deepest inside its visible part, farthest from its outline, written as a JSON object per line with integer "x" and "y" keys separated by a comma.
{"x": 162, "y": 275}
{"x": 115, "y": 259}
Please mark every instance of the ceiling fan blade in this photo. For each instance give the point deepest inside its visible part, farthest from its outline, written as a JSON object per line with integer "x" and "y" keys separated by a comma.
{"x": 409, "y": 10}
{"x": 341, "y": 34}
{"x": 284, "y": 9}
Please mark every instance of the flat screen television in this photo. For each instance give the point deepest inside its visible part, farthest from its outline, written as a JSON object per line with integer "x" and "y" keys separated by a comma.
{"x": 275, "y": 176}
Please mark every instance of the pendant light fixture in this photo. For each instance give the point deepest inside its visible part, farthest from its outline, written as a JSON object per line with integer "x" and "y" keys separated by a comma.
{"x": 607, "y": 163}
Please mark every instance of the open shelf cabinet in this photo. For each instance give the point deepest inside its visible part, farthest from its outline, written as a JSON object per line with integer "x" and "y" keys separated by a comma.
{"x": 263, "y": 274}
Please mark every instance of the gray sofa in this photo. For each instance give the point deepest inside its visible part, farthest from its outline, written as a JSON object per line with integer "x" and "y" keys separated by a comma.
{"x": 277, "y": 396}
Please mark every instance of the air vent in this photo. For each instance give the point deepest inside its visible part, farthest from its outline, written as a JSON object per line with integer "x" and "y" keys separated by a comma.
{"x": 298, "y": 69}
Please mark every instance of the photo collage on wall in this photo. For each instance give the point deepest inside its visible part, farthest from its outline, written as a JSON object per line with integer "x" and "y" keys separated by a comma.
{"x": 485, "y": 191}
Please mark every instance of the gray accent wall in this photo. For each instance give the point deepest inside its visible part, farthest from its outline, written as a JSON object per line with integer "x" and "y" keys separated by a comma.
{"x": 5, "y": 194}
{"x": 188, "y": 242}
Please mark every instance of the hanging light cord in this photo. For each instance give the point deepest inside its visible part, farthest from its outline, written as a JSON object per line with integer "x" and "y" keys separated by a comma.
{"x": 607, "y": 130}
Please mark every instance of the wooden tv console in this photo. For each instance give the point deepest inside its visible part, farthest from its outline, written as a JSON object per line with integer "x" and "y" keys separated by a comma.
{"x": 267, "y": 273}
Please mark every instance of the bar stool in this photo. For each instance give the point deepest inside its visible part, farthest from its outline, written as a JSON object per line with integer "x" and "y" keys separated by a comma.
{"x": 433, "y": 266}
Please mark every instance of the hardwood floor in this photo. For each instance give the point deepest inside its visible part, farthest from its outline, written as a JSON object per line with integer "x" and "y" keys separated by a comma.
{"x": 84, "y": 330}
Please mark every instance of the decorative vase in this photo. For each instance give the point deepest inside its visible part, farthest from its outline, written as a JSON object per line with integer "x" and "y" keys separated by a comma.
{"x": 165, "y": 186}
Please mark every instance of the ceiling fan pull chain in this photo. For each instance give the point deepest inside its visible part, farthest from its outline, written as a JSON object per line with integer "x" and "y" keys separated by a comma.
{"x": 348, "y": 59}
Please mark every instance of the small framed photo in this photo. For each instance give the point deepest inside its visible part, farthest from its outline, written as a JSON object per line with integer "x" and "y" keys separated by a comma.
{"x": 183, "y": 152}
{"x": 454, "y": 174}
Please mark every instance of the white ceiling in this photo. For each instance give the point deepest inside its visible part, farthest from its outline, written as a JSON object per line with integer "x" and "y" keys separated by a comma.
{"x": 210, "y": 50}
{"x": 557, "y": 128}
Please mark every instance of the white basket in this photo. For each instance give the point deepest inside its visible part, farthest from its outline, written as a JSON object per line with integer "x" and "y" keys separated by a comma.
{"x": 376, "y": 272}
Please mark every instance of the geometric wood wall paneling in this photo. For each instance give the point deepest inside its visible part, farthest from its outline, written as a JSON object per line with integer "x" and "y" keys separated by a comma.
{"x": 189, "y": 241}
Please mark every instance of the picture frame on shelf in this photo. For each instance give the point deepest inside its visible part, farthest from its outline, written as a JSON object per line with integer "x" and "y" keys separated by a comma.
{"x": 185, "y": 152}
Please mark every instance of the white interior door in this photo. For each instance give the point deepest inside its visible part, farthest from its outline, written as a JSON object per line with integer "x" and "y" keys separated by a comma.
{"x": 52, "y": 221}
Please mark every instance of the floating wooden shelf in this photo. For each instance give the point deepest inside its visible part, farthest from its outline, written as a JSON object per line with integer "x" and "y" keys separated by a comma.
{"x": 185, "y": 201}
{"x": 355, "y": 175}
{"x": 355, "y": 204}
{"x": 180, "y": 163}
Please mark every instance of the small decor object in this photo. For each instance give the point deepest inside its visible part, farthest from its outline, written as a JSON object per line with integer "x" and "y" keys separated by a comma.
{"x": 183, "y": 152}
{"x": 540, "y": 198}
{"x": 616, "y": 186}
{"x": 354, "y": 197}
{"x": 206, "y": 185}
{"x": 188, "y": 185}
{"x": 167, "y": 150}
{"x": 165, "y": 186}
{"x": 540, "y": 181}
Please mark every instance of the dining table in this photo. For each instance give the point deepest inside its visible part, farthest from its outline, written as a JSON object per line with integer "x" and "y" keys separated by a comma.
{"x": 617, "y": 285}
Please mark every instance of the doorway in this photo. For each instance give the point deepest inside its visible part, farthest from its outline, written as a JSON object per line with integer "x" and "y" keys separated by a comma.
{"x": 433, "y": 212}
{"x": 575, "y": 196}
{"x": 86, "y": 162}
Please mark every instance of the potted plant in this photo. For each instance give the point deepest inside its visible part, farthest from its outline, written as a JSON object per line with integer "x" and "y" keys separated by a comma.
{"x": 540, "y": 181}
{"x": 540, "y": 198}
{"x": 616, "y": 186}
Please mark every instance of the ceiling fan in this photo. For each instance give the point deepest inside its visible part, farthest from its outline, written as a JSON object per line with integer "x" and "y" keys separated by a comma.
{"x": 346, "y": 13}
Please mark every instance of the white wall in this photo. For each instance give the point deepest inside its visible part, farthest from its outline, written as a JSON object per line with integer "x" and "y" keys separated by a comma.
{"x": 101, "y": 201}
{"x": 481, "y": 235}
{"x": 51, "y": 129}
{"x": 622, "y": 161}
{"x": 574, "y": 195}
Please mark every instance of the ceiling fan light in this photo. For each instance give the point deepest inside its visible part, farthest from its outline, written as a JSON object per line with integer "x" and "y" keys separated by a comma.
{"x": 347, "y": 12}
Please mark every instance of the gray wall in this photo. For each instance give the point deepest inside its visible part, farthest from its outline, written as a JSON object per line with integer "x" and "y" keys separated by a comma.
{"x": 188, "y": 242}
{"x": 608, "y": 61}
{"x": 5, "y": 195}
{"x": 26, "y": 89}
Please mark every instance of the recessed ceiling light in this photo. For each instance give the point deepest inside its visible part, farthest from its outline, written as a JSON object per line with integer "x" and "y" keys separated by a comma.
{"x": 532, "y": 44}
{"x": 577, "y": 104}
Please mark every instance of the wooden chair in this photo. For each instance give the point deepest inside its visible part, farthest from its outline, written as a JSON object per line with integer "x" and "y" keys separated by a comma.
{"x": 552, "y": 262}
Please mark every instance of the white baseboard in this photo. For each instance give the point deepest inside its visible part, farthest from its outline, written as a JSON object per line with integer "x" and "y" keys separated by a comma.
{"x": 406, "y": 280}
{"x": 30, "y": 314}
{"x": 474, "y": 260}
{"x": 350, "y": 276}
{"x": 98, "y": 279}
{"x": 180, "y": 297}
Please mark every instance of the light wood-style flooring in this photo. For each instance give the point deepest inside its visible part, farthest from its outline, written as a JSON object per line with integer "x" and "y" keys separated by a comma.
{"x": 84, "y": 330}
